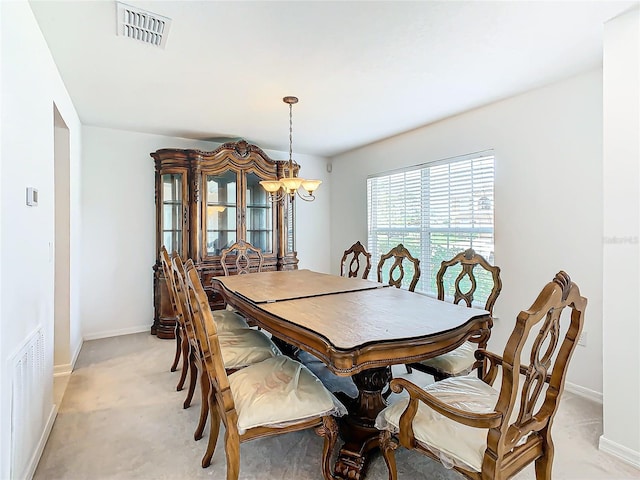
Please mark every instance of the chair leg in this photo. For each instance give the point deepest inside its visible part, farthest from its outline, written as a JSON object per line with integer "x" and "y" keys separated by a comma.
{"x": 185, "y": 363}
{"x": 440, "y": 376}
{"x": 213, "y": 430}
{"x": 387, "y": 446}
{"x": 192, "y": 382}
{"x": 232, "y": 451}
{"x": 544, "y": 463}
{"x": 205, "y": 387}
{"x": 176, "y": 358}
{"x": 328, "y": 430}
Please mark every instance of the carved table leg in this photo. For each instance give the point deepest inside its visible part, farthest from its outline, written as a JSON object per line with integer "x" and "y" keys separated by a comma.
{"x": 357, "y": 429}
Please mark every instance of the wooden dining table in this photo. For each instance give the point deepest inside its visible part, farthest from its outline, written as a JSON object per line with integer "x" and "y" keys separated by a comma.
{"x": 358, "y": 328}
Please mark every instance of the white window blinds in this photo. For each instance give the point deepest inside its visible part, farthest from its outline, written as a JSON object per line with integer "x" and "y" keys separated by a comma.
{"x": 436, "y": 210}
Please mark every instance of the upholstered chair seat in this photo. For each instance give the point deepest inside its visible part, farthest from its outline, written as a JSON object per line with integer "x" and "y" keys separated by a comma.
{"x": 456, "y": 362}
{"x": 229, "y": 320}
{"x": 278, "y": 392}
{"x": 245, "y": 347}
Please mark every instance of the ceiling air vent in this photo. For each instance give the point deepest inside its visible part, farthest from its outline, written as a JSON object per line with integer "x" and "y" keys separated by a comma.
{"x": 141, "y": 25}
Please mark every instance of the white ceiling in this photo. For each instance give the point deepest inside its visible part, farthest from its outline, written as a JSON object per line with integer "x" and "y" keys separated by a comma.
{"x": 362, "y": 70}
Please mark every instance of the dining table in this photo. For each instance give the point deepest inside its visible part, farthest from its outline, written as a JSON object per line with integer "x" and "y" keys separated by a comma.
{"x": 358, "y": 328}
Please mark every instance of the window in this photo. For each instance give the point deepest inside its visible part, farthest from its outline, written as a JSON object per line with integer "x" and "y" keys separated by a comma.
{"x": 436, "y": 210}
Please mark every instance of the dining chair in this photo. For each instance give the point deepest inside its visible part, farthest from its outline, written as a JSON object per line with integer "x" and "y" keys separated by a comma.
{"x": 275, "y": 396}
{"x": 239, "y": 346}
{"x": 182, "y": 342}
{"x": 486, "y": 432}
{"x": 399, "y": 253}
{"x": 225, "y": 320}
{"x": 242, "y": 258}
{"x": 350, "y": 267}
{"x": 461, "y": 275}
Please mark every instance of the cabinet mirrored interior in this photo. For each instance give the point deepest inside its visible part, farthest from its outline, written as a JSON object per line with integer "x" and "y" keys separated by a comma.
{"x": 205, "y": 202}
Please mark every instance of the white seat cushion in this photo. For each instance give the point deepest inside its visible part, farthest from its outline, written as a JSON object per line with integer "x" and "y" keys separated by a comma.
{"x": 454, "y": 443}
{"x": 228, "y": 320}
{"x": 277, "y": 392}
{"x": 245, "y": 347}
{"x": 456, "y": 362}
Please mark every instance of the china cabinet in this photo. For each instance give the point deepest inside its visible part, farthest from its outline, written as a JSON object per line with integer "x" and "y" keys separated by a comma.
{"x": 206, "y": 201}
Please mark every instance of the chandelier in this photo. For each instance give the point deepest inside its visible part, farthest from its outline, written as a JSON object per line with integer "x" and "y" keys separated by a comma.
{"x": 291, "y": 184}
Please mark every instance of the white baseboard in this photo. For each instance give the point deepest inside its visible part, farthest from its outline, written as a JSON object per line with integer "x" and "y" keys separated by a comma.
{"x": 74, "y": 357}
{"x": 35, "y": 458}
{"x": 67, "y": 368}
{"x": 583, "y": 392}
{"x": 116, "y": 333}
{"x": 619, "y": 451}
{"x": 62, "y": 370}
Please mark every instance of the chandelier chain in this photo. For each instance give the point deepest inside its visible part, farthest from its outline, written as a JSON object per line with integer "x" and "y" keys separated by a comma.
{"x": 291, "y": 136}
{"x": 289, "y": 184}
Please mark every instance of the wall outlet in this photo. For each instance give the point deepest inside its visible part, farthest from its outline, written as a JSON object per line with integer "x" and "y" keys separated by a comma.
{"x": 582, "y": 340}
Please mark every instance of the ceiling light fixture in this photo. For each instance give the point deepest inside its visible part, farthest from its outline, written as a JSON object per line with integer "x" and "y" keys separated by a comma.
{"x": 290, "y": 184}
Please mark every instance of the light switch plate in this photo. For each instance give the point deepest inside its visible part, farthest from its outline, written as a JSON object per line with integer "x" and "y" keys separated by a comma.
{"x": 32, "y": 197}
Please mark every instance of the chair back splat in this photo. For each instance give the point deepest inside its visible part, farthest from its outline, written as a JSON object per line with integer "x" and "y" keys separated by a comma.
{"x": 469, "y": 260}
{"x": 241, "y": 258}
{"x": 399, "y": 253}
{"x": 350, "y": 262}
{"x": 506, "y": 427}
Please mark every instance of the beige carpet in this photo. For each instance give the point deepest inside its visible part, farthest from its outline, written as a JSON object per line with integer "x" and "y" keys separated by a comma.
{"x": 121, "y": 418}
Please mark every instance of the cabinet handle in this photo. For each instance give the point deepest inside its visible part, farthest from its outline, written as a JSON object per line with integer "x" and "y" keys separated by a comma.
{"x": 186, "y": 217}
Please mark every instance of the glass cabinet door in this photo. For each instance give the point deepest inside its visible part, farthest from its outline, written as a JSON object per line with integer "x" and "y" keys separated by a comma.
{"x": 173, "y": 212}
{"x": 259, "y": 215}
{"x": 221, "y": 212}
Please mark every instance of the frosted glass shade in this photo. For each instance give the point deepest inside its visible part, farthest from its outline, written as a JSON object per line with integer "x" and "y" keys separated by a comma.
{"x": 291, "y": 184}
{"x": 311, "y": 185}
{"x": 271, "y": 186}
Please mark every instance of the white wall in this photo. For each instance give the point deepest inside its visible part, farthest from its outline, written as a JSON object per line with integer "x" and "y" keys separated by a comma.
{"x": 548, "y": 196}
{"x": 621, "y": 280}
{"x": 119, "y": 226}
{"x": 30, "y": 86}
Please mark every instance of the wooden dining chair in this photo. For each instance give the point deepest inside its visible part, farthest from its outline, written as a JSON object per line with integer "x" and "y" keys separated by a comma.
{"x": 241, "y": 258}
{"x": 350, "y": 262}
{"x": 182, "y": 342}
{"x": 492, "y": 433}
{"x": 240, "y": 346}
{"x": 463, "y": 273}
{"x": 276, "y": 396}
{"x": 399, "y": 254}
{"x": 225, "y": 320}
